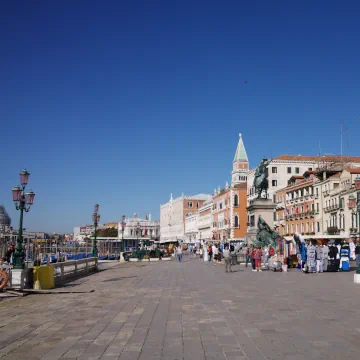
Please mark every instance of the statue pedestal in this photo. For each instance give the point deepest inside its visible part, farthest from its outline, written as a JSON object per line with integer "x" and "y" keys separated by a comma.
{"x": 259, "y": 207}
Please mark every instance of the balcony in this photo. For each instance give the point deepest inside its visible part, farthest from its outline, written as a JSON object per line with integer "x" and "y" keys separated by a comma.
{"x": 316, "y": 196}
{"x": 353, "y": 230}
{"x": 326, "y": 193}
{"x": 333, "y": 230}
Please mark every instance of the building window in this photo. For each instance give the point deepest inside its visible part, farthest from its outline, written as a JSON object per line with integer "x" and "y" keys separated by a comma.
{"x": 297, "y": 170}
{"x": 252, "y": 220}
{"x": 190, "y": 204}
{"x": 236, "y": 200}
{"x": 274, "y": 170}
{"x": 236, "y": 221}
{"x": 197, "y": 204}
{"x": 289, "y": 170}
{"x": 274, "y": 183}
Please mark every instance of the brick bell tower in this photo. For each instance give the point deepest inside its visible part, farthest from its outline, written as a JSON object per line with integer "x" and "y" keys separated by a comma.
{"x": 240, "y": 164}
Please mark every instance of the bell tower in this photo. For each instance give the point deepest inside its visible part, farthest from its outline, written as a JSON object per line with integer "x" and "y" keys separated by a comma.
{"x": 240, "y": 164}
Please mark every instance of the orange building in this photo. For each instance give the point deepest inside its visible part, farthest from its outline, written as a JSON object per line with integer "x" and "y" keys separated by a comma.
{"x": 295, "y": 208}
{"x": 229, "y": 204}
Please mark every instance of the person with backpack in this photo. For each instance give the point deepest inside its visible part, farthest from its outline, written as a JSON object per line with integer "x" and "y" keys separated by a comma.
{"x": 210, "y": 253}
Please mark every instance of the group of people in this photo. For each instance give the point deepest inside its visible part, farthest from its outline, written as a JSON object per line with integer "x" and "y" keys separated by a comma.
{"x": 211, "y": 253}
{"x": 254, "y": 255}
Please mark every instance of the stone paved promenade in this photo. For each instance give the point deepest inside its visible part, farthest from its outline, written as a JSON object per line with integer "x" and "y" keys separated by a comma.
{"x": 189, "y": 310}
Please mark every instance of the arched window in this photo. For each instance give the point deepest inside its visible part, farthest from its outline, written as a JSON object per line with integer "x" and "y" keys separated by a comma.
{"x": 236, "y": 221}
{"x": 236, "y": 200}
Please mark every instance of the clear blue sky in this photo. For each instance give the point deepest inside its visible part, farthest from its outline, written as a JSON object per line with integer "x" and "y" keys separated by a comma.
{"x": 124, "y": 102}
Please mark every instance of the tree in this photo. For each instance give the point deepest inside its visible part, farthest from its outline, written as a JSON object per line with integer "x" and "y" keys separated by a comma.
{"x": 109, "y": 232}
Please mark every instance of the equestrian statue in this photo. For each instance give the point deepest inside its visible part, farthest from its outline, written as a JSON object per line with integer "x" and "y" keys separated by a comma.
{"x": 261, "y": 182}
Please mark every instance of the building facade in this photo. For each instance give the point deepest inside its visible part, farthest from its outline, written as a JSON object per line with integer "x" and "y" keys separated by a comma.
{"x": 229, "y": 204}
{"x": 295, "y": 206}
{"x": 138, "y": 228}
{"x": 282, "y": 167}
{"x": 205, "y": 221}
{"x": 191, "y": 227}
{"x": 173, "y": 215}
{"x": 336, "y": 198}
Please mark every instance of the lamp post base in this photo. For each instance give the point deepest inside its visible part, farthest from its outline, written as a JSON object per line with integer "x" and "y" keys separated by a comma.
{"x": 357, "y": 278}
{"x": 21, "y": 278}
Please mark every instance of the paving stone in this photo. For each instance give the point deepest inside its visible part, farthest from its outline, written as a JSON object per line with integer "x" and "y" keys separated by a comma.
{"x": 190, "y": 310}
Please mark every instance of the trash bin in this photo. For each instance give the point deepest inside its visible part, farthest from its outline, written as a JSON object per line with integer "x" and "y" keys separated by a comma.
{"x": 45, "y": 275}
{"x": 233, "y": 259}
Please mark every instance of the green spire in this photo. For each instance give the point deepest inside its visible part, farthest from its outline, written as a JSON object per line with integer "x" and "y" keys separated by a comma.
{"x": 240, "y": 154}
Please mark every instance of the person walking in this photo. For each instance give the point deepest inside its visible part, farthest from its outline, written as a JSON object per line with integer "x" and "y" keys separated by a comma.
{"x": 253, "y": 258}
{"x": 266, "y": 255}
{"x": 179, "y": 252}
{"x": 247, "y": 257}
{"x": 257, "y": 257}
{"x": 201, "y": 252}
{"x": 227, "y": 259}
{"x": 215, "y": 252}
{"x": 357, "y": 253}
{"x": 210, "y": 253}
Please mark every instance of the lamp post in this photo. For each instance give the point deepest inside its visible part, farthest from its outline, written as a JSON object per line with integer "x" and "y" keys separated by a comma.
{"x": 96, "y": 219}
{"x": 357, "y": 187}
{"x": 123, "y": 223}
{"x": 23, "y": 202}
{"x": 137, "y": 228}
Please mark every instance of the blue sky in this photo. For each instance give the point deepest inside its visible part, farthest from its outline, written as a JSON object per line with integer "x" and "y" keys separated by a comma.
{"x": 124, "y": 102}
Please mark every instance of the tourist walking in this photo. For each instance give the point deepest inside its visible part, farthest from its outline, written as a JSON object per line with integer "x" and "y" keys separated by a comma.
{"x": 205, "y": 253}
{"x": 179, "y": 252}
{"x": 247, "y": 257}
{"x": 201, "y": 252}
{"x": 215, "y": 252}
{"x": 227, "y": 259}
{"x": 266, "y": 255}
{"x": 257, "y": 257}
{"x": 253, "y": 258}
{"x": 210, "y": 253}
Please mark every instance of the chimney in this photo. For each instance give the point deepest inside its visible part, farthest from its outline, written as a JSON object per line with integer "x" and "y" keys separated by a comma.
{"x": 324, "y": 175}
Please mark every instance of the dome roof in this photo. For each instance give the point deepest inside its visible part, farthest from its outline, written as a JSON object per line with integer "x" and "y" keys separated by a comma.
{"x": 4, "y": 217}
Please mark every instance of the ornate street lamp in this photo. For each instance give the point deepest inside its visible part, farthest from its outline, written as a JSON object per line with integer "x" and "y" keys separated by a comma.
{"x": 95, "y": 219}
{"x": 23, "y": 202}
{"x": 123, "y": 223}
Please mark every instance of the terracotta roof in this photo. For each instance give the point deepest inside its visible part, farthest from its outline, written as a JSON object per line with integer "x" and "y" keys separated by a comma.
{"x": 297, "y": 177}
{"x": 329, "y": 158}
{"x": 335, "y": 175}
{"x": 353, "y": 170}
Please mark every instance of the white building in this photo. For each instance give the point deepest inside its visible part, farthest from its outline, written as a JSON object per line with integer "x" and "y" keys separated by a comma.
{"x": 191, "y": 227}
{"x": 136, "y": 227}
{"x": 174, "y": 212}
{"x": 283, "y": 167}
{"x": 205, "y": 221}
{"x": 82, "y": 232}
{"x": 335, "y": 200}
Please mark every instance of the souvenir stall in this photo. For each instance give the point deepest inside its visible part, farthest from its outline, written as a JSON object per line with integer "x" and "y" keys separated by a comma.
{"x": 325, "y": 255}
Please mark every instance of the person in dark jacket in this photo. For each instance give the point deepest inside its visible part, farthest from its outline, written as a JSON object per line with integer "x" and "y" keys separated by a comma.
{"x": 357, "y": 253}
{"x": 9, "y": 253}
